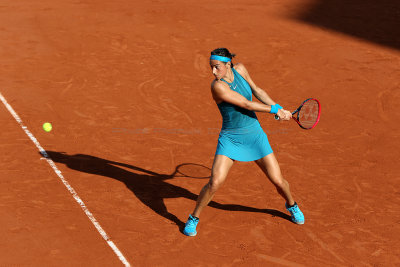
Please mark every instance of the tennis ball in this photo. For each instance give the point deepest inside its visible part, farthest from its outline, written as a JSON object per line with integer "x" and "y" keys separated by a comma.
{"x": 47, "y": 126}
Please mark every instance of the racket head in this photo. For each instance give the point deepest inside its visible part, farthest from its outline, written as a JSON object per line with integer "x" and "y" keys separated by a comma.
{"x": 308, "y": 113}
{"x": 192, "y": 170}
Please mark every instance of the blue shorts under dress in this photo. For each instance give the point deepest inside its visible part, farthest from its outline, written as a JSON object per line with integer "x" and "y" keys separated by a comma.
{"x": 241, "y": 137}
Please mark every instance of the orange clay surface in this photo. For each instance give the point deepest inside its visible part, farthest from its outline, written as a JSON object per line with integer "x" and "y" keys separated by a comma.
{"x": 126, "y": 86}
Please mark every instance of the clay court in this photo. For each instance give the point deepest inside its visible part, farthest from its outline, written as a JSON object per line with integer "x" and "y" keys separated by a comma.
{"x": 126, "y": 86}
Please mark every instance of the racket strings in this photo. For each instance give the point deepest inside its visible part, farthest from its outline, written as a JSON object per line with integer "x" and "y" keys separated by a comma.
{"x": 308, "y": 114}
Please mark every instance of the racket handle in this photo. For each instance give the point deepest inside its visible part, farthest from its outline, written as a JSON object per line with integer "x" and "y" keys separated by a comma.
{"x": 276, "y": 117}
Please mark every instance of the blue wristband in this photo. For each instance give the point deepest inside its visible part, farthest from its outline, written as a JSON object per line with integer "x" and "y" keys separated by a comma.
{"x": 274, "y": 109}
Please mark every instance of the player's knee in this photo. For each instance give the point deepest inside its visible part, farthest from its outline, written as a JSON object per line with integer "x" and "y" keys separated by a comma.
{"x": 214, "y": 184}
{"x": 281, "y": 183}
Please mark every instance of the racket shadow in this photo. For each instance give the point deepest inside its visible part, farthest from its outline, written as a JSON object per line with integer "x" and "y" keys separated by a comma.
{"x": 149, "y": 187}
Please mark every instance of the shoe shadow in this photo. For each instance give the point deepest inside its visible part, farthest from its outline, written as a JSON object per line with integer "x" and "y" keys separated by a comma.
{"x": 149, "y": 187}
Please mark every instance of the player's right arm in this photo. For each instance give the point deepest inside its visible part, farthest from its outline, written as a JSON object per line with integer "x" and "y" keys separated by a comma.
{"x": 222, "y": 93}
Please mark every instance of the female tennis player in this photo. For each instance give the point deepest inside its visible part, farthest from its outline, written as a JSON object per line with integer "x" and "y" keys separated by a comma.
{"x": 241, "y": 137}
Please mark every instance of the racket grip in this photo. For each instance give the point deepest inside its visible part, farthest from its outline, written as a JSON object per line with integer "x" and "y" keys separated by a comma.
{"x": 276, "y": 117}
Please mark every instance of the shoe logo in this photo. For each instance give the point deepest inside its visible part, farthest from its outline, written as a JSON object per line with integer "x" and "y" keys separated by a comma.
{"x": 233, "y": 87}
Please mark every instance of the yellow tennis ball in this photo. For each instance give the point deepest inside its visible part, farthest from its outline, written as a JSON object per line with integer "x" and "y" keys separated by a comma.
{"x": 47, "y": 126}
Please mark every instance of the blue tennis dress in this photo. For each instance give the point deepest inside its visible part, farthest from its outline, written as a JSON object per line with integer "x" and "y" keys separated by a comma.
{"x": 241, "y": 137}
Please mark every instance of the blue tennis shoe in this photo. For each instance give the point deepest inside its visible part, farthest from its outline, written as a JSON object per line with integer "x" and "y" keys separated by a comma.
{"x": 190, "y": 226}
{"x": 297, "y": 215}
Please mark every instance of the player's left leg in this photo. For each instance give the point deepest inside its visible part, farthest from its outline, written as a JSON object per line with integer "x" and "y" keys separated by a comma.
{"x": 269, "y": 165}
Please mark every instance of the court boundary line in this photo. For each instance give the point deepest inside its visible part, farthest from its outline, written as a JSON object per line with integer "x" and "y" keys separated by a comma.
{"x": 66, "y": 183}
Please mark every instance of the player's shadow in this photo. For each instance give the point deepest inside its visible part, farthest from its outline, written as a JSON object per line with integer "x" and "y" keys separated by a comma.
{"x": 149, "y": 187}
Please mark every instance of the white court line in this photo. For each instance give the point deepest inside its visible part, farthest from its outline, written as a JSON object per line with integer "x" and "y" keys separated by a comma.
{"x": 65, "y": 182}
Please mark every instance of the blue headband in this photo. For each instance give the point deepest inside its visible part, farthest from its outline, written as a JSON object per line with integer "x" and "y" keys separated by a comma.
{"x": 219, "y": 58}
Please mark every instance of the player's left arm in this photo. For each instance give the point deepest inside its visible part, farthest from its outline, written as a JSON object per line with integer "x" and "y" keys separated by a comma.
{"x": 259, "y": 93}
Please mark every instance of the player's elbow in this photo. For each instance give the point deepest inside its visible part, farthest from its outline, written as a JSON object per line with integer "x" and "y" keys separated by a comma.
{"x": 258, "y": 92}
{"x": 247, "y": 105}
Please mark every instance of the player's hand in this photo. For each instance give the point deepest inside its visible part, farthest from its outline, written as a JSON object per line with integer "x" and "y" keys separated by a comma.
{"x": 284, "y": 115}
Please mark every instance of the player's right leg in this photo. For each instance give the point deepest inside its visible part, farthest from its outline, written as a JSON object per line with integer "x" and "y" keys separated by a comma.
{"x": 220, "y": 169}
{"x": 269, "y": 165}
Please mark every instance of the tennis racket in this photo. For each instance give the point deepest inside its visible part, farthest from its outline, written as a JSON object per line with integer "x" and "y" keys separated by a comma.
{"x": 307, "y": 114}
